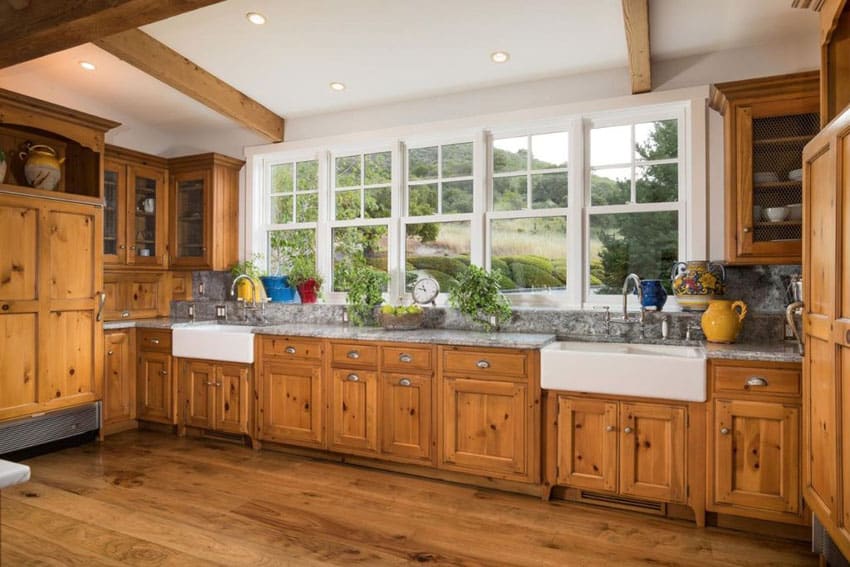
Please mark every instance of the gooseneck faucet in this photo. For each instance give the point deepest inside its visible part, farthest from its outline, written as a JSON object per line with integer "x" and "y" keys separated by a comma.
{"x": 632, "y": 278}
{"x": 250, "y": 280}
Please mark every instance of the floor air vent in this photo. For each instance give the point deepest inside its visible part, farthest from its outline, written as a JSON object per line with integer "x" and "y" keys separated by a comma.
{"x": 623, "y": 502}
{"x": 36, "y": 430}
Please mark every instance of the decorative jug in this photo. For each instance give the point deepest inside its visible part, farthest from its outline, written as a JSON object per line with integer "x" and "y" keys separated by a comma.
{"x": 653, "y": 294}
{"x": 42, "y": 167}
{"x": 695, "y": 283}
{"x": 723, "y": 320}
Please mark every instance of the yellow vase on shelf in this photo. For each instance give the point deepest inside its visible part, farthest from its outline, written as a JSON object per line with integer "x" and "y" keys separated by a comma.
{"x": 723, "y": 320}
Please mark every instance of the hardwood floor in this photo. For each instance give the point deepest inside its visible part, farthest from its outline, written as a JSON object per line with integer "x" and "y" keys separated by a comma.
{"x": 144, "y": 498}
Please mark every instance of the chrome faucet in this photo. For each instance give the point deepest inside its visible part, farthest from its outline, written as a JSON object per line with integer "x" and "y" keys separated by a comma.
{"x": 245, "y": 307}
{"x": 632, "y": 278}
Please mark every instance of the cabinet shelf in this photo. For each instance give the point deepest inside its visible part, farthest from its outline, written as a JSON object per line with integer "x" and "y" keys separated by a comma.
{"x": 777, "y": 185}
{"x": 801, "y": 140}
{"x": 768, "y": 224}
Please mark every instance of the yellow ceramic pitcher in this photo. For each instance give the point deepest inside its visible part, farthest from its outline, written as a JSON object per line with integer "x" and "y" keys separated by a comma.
{"x": 723, "y": 320}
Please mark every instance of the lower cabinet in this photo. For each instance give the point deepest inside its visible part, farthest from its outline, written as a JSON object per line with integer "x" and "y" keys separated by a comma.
{"x": 406, "y": 417}
{"x": 119, "y": 384}
{"x": 354, "y": 410}
{"x": 156, "y": 393}
{"x": 215, "y": 395}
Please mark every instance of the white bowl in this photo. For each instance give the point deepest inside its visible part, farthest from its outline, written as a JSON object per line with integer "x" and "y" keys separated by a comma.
{"x": 765, "y": 177}
{"x": 776, "y": 214}
{"x": 795, "y": 212}
{"x": 795, "y": 175}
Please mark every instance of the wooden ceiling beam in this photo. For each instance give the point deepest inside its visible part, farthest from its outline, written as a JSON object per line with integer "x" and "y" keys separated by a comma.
{"x": 32, "y": 29}
{"x": 166, "y": 65}
{"x": 636, "y": 20}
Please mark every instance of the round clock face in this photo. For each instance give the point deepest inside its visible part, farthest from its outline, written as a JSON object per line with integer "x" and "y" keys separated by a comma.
{"x": 425, "y": 290}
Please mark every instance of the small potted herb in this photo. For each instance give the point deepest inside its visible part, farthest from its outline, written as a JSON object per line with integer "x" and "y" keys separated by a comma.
{"x": 477, "y": 295}
{"x": 365, "y": 286}
{"x": 306, "y": 278}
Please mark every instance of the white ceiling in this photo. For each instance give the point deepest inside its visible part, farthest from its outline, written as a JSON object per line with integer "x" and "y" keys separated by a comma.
{"x": 385, "y": 51}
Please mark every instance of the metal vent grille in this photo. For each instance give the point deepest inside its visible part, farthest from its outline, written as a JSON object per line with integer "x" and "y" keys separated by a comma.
{"x": 54, "y": 426}
{"x": 777, "y": 159}
{"x": 623, "y": 502}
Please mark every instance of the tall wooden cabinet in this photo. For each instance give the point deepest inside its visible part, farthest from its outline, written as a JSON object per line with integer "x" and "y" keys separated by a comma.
{"x": 767, "y": 122}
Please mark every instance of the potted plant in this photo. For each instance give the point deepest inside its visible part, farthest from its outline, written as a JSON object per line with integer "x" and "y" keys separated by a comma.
{"x": 251, "y": 268}
{"x": 477, "y": 295}
{"x": 306, "y": 278}
{"x": 364, "y": 285}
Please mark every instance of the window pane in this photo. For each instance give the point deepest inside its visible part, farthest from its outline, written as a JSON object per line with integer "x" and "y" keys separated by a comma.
{"x": 642, "y": 243}
{"x": 510, "y": 193}
{"x": 355, "y": 245}
{"x": 422, "y": 200}
{"x": 377, "y": 205}
{"x": 281, "y": 210}
{"x": 307, "y": 173}
{"x": 348, "y": 205}
{"x": 610, "y": 186}
{"x": 378, "y": 168}
{"x": 549, "y": 151}
{"x": 284, "y": 245}
{"x": 457, "y": 197}
{"x": 307, "y": 206}
{"x": 282, "y": 178}
{"x": 530, "y": 253}
{"x": 657, "y": 183}
{"x": 548, "y": 190}
{"x": 457, "y": 160}
{"x": 610, "y": 145}
{"x": 422, "y": 163}
{"x": 510, "y": 154}
{"x": 348, "y": 171}
{"x": 436, "y": 249}
{"x": 657, "y": 140}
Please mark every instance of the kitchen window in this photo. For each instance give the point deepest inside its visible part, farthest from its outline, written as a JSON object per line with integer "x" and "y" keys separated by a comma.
{"x": 293, "y": 211}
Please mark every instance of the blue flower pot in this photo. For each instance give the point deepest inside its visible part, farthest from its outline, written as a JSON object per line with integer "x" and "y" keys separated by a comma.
{"x": 278, "y": 288}
{"x": 654, "y": 294}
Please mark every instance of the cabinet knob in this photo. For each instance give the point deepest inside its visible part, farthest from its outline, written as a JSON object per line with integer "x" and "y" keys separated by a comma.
{"x": 121, "y": 247}
{"x": 747, "y": 229}
{"x": 627, "y": 430}
{"x": 404, "y": 382}
{"x": 109, "y": 353}
{"x": 353, "y": 354}
{"x": 289, "y": 350}
{"x": 125, "y": 314}
{"x": 163, "y": 372}
{"x": 609, "y": 428}
{"x": 218, "y": 384}
{"x": 757, "y": 381}
{"x": 154, "y": 341}
{"x": 483, "y": 364}
{"x": 403, "y": 357}
{"x": 132, "y": 247}
{"x": 353, "y": 378}
{"x": 724, "y": 431}
{"x": 210, "y": 383}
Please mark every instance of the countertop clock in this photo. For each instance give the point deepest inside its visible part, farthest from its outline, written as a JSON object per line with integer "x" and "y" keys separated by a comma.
{"x": 425, "y": 290}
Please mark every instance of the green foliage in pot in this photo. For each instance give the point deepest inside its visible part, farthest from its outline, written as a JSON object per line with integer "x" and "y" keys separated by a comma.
{"x": 250, "y": 267}
{"x": 365, "y": 286}
{"x": 303, "y": 270}
{"x": 477, "y": 295}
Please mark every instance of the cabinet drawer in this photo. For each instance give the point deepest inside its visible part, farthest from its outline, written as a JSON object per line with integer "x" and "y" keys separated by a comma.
{"x": 756, "y": 380}
{"x": 293, "y": 348}
{"x": 354, "y": 354}
{"x": 154, "y": 340}
{"x": 410, "y": 359}
{"x": 485, "y": 363}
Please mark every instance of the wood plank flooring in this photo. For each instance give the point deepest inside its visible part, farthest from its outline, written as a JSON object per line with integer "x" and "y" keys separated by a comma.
{"x": 144, "y": 498}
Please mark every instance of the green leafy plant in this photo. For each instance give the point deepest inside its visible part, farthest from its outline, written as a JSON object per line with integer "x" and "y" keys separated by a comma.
{"x": 477, "y": 295}
{"x": 249, "y": 267}
{"x": 365, "y": 287}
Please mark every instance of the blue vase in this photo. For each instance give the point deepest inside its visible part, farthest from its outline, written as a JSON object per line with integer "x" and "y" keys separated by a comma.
{"x": 653, "y": 294}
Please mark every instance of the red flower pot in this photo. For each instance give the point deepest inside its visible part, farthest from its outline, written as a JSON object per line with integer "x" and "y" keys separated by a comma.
{"x": 308, "y": 291}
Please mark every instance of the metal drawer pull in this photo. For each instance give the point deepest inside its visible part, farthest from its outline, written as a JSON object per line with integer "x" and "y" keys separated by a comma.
{"x": 109, "y": 353}
{"x": 210, "y": 383}
{"x": 405, "y": 357}
{"x": 756, "y": 381}
{"x": 627, "y": 430}
{"x": 404, "y": 382}
{"x": 290, "y": 350}
{"x": 154, "y": 341}
{"x": 125, "y": 314}
{"x": 353, "y": 354}
{"x": 724, "y": 431}
{"x": 483, "y": 364}
{"x": 353, "y": 378}
{"x": 609, "y": 428}
{"x": 164, "y": 372}
{"x": 218, "y": 384}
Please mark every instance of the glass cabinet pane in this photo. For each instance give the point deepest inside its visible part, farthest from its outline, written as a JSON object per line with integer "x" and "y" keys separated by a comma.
{"x": 145, "y": 214}
{"x": 110, "y": 213}
{"x": 190, "y": 218}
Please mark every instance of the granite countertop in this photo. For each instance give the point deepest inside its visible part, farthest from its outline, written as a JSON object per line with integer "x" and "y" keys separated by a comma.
{"x": 159, "y": 323}
{"x": 770, "y": 352}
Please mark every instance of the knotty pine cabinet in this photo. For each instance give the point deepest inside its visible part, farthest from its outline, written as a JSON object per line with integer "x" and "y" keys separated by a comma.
{"x": 136, "y": 295}
{"x": 353, "y": 398}
{"x": 215, "y": 395}
{"x": 119, "y": 383}
{"x": 156, "y": 398}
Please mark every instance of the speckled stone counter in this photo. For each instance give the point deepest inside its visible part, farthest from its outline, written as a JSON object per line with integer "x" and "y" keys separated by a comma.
{"x": 770, "y": 352}
{"x": 161, "y": 323}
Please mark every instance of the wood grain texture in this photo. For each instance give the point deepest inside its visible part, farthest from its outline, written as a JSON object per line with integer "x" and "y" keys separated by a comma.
{"x": 150, "y": 499}
{"x": 48, "y": 26}
{"x": 164, "y": 64}
{"x": 636, "y": 21}
{"x": 587, "y": 443}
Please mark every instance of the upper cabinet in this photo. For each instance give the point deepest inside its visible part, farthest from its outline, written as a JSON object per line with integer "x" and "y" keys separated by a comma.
{"x": 135, "y": 209}
{"x": 767, "y": 122}
{"x": 835, "y": 59}
{"x": 205, "y": 212}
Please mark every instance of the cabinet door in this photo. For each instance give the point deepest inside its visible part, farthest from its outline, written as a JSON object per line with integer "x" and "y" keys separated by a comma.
{"x": 146, "y": 210}
{"x": 652, "y": 451}
{"x": 119, "y": 386}
{"x": 145, "y": 296}
{"x": 115, "y": 306}
{"x": 198, "y": 386}
{"x": 191, "y": 232}
{"x": 485, "y": 425}
{"x": 291, "y": 403}
{"x": 354, "y": 410}
{"x": 114, "y": 212}
{"x": 406, "y": 416}
{"x": 155, "y": 387}
{"x": 757, "y": 460}
{"x": 587, "y": 444}
{"x": 231, "y": 398}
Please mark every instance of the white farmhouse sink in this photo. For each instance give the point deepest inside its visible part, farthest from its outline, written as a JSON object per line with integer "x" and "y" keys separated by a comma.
{"x": 230, "y": 343}
{"x": 652, "y": 371}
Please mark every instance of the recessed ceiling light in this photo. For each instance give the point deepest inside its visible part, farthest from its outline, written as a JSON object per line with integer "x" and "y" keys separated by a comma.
{"x": 87, "y": 66}
{"x": 337, "y": 86}
{"x": 500, "y": 56}
{"x": 256, "y": 18}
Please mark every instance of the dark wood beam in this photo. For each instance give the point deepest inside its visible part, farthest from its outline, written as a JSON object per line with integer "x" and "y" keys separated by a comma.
{"x": 32, "y": 29}
{"x": 636, "y": 20}
{"x": 164, "y": 64}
